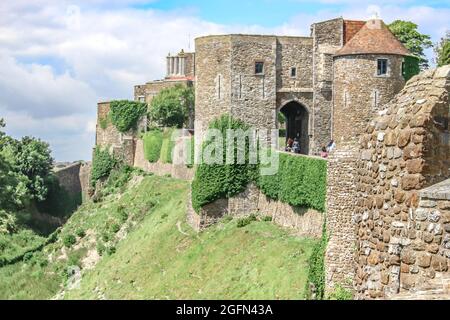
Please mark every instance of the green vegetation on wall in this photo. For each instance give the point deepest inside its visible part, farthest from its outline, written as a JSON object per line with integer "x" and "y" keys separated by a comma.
{"x": 300, "y": 181}
{"x": 215, "y": 181}
{"x": 315, "y": 286}
{"x": 411, "y": 67}
{"x": 152, "y": 145}
{"x": 102, "y": 164}
{"x": 125, "y": 114}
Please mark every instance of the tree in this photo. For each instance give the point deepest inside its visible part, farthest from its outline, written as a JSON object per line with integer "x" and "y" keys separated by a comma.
{"x": 13, "y": 185}
{"x": 442, "y": 50}
{"x": 173, "y": 107}
{"x": 416, "y": 42}
{"x": 31, "y": 158}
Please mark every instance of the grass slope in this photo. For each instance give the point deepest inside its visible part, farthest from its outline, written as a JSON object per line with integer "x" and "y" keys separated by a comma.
{"x": 163, "y": 258}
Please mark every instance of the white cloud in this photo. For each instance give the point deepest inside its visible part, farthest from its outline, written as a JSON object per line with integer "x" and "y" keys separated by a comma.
{"x": 57, "y": 60}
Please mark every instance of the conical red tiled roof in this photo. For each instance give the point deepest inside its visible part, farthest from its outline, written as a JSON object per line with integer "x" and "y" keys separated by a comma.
{"x": 374, "y": 38}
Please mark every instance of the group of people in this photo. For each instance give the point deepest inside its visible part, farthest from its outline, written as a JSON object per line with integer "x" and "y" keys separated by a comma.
{"x": 293, "y": 145}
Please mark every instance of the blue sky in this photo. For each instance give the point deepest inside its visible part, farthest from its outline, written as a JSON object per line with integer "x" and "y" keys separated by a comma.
{"x": 268, "y": 13}
{"x": 58, "y": 58}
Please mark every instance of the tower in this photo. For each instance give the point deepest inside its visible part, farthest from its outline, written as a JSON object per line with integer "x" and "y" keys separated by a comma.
{"x": 368, "y": 72}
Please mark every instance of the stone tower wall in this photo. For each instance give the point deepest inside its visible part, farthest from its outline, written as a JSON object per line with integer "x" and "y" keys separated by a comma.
{"x": 253, "y": 97}
{"x": 359, "y": 93}
{"x": 213, "y": 79}
{"x": 327, "y": 39}
{"x": 400, "y": 236}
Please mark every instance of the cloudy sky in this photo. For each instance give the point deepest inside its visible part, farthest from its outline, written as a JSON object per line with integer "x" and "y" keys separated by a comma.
{"x": 59, "y": 58}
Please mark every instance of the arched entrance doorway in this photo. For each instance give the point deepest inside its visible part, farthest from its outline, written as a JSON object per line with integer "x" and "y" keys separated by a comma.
{"x": 297, "y": 122}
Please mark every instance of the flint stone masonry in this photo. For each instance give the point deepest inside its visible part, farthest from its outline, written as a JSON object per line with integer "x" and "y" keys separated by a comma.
{"x": 399, "y": 203}
{"x": 302, "y": 222}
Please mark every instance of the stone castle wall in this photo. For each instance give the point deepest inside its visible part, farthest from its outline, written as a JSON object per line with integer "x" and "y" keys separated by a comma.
{"x": 359, "y": 93}
{"x": 300, "y": 221}
{"x": 121, "y": 145}
{"x": 146, "y": 92}
{"x": 404, "y": 150}
{"x": 375, "y": 188}
{"x": 179, "y": 171}
{"x": 75, "y": 179}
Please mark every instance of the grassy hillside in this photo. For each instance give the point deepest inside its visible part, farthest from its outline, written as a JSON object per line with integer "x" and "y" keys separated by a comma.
{"x": 149, "y": 252}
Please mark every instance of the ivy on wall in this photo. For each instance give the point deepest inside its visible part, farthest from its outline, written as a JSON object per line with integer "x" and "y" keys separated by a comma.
{"x": 315, "y": 286}
{"x": 215, "y": 181}
{"x": 125, "y": 114}
{"x": 411, "y": 67}
{"x": 300, "y": 181}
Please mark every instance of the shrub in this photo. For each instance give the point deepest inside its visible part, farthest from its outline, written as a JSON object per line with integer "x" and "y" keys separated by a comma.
{"x": 102, "y": 164}
{"x": 80, "y": 233}
{"x": 246, "y": 221}
{"x": 152, "y": 145}
{"x": 115, "y": 228}
{"x": 315, "y": 286}
{"x": 100, "y": 248}
{"x": 123, "y": 215}
{"x": 125, "y": 114}
{"x": 300, "y": 181}
{"x": 167, "y": 146}
{"x": 215, "y": 181}
{"x": 267, "y": 219}
{"x": 110, "y": 250}
{"x": 69, "y": 240}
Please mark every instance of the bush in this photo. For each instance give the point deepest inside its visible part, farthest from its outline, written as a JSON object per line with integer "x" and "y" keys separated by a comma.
{"x": 152, "y": 145}
{"x": 215, "y": 181}
{"x": 102, "y": 164}
{"x": 125, "y": 114}
{"x": 267, "y": 219}
{"x": 100, "y": 248}
{"x": 316, "y": 274}
{"x": 167, "y": 146}
{"x": 110, "y": 251}
{"x": 80, "y": 233}
{"x": 246, "y": 221}
{"x": 115, "y": 228}
{"x": 300, "y": 181}
{"x": 69, "y": 240}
